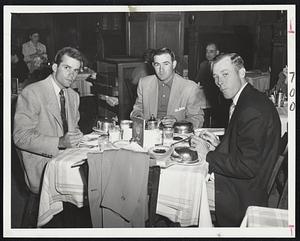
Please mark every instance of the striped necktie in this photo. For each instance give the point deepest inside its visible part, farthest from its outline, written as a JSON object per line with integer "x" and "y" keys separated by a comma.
{"x": 231, "y": 110}
{"x": 63, "y": 111}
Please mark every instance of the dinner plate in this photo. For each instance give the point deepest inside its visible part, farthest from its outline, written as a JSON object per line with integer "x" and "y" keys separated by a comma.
{"x": 216, "y": 131}
{"x": 191, "y": 163}
{"x": 99, "y": 131}
{"x": 121, "y": 143}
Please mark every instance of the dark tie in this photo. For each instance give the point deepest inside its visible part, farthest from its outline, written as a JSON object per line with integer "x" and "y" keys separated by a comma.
{"x": 63, "y": 111}
{"x": 231, "y": 110}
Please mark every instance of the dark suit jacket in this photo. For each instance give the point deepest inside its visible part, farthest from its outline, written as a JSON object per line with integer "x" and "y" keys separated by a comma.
{"x": 245, "y": 158}
{"x": 211, "y": 90}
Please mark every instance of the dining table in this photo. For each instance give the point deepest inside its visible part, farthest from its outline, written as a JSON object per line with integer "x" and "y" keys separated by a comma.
{"x": 182, "y": 194}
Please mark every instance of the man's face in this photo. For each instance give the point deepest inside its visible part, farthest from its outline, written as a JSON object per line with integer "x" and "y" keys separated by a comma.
{"x": 227, "y": 78}
{"x": 35, "y": 37}
{"x": 211, "y": 52}
{"x": 66, "y": 72}
{"x": 14, "y": 59}
{"x": 164, "y": 66}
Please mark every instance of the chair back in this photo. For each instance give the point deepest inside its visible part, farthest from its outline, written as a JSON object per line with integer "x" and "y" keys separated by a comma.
{"x": 274, "y": 174}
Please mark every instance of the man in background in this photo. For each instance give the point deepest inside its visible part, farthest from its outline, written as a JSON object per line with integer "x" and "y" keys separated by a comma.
{"x": 243, "y": 161}
{"x": 166, "y": 95}
{"x": 46, "y": 120}
{"x": 216, "y": 113}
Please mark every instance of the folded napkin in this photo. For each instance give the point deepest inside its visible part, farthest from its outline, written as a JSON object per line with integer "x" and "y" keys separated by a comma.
{"x": 68, "y": 179}
{"x": 61, "y": 183}
{"x": 180, "y": 193}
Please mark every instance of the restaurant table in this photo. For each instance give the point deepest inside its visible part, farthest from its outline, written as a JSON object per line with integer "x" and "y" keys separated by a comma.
{"x": 64, "y": 183}
{"x": 265, "y": 217}
{"x": 260, "y": 81}
{"x": 283, "y": 115}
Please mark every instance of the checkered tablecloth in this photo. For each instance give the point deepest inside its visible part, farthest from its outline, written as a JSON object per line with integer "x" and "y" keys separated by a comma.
{"x": 265, "y": 217}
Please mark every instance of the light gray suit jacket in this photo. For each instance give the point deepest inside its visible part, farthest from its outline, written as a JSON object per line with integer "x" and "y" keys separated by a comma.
{"x": 38, "y": 126}
{"x": 184, "y": 102}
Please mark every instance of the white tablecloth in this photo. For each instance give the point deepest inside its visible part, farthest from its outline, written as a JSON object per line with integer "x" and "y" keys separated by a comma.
{"x": 182, "y": 195}
{"x": 283, "y": 115}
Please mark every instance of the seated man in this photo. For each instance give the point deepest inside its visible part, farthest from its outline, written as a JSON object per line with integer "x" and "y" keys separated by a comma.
{"x": 47, "y": 116}
{"x": 243, "y": 162}
{"x": 167, "y": 95}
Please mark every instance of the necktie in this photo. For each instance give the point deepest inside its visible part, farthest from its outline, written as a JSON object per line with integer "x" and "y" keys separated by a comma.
{"x": 231, "y": 110}
{"x": 63, "y": 111}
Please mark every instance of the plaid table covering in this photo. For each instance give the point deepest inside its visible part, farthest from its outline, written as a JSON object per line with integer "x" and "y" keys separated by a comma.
{"x": 265, "y": 217}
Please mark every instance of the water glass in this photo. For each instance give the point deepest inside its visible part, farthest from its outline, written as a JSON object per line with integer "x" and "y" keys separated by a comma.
{"x": 168, "y": 133}
{"x": 103, "y": 140}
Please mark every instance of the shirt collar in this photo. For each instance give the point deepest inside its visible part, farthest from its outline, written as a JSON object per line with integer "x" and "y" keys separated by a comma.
{"x": 237, "y": 96}
{"x": 169, "y": 83}
{"x": 55, "y": 86}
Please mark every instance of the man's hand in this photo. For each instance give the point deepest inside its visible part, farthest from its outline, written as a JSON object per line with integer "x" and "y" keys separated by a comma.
{"x": 168, "y": 120}
{"x": 201, "y": 146}
{"x": 210, "y": 137}
{"x": 70, "y": 139}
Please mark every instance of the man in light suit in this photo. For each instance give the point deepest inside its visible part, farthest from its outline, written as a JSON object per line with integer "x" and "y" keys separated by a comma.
{"x": 40, "y": 129}
{"x": 167, "y": 95}
{"x": 243, "y": 161}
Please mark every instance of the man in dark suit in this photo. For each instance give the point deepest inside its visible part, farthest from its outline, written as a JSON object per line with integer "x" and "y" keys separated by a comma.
{"x": 243, "y": 161}
{"x": 216, "y": 113}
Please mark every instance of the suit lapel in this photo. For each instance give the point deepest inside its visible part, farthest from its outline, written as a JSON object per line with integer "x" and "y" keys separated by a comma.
{"x": 152, "y": 97}
{"x": 53, "y": 106}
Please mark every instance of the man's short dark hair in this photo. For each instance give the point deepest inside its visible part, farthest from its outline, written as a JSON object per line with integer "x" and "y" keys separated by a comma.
{"x": 164, "y": 50}
{"x": 69, "y": 51}
{"x": 212, "y": 43}
{"x": 33, "y": 31}
{"x": 236, "y": 60}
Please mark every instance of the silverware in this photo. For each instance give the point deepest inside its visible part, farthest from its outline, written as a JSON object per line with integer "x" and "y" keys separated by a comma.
{"x": 185, "y": 139}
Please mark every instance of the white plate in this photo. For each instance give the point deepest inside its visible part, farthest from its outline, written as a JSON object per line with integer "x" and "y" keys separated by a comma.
{"x": 194, "y": 163}
{"x": 121, "y": 144}
{"x": 99, "y": 131}
{"x": 216, "y": 131}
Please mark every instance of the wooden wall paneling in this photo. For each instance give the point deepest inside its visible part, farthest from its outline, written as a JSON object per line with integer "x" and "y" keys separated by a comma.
{"x": 168, "y": 31}
{"x": 137, "y": 33}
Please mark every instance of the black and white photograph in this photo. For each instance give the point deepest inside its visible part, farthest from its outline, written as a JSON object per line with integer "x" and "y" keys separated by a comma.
{"x": 149, "y": 121}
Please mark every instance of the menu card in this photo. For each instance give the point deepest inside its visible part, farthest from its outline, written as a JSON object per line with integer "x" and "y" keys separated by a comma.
{"x": 138, "y": 128}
